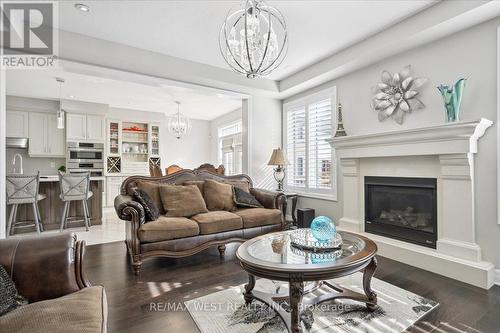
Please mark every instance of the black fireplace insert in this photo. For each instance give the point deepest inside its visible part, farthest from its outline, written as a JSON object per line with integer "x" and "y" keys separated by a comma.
{"x": 402, "y": 208}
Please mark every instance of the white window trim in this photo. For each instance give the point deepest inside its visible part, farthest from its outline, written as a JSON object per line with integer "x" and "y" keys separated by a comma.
{"x": 221, "y": 138}
{"x": 305, "y": 101}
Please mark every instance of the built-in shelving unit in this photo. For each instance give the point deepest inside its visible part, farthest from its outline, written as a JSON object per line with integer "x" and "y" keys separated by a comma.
{"x": 132, "y": 147}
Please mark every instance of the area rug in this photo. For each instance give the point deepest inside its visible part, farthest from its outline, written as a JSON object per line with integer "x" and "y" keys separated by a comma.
{"x": 225, "y": 311}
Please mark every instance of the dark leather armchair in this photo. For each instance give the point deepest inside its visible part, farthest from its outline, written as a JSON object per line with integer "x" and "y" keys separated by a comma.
{"x": 44, "y": 267}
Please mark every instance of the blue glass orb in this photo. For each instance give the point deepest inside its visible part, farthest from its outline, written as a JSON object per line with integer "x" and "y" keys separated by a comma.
{"x": 323, "y": 228}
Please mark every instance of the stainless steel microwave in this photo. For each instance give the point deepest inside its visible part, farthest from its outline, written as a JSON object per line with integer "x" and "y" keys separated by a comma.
{"x": 85, "y": 152}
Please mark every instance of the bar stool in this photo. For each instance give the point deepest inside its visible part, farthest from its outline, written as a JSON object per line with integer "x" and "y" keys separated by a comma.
{"x": 23, "y": 189}
{"x": 75, "y": 187}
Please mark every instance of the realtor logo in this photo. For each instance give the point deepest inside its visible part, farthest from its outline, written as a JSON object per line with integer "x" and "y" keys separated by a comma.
{"x": 28, "y": 34}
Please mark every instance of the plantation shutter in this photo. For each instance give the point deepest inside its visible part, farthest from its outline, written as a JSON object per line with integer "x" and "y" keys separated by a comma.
{"x": 296, "y": 147}
{"x": 320, "y": 128}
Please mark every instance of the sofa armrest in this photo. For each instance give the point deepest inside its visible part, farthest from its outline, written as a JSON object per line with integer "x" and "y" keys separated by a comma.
{"x": 131, "y": 211}
{"x": 127, "y": 209}
{"x": 44, "y": 267}
{"x": 269, "y": 199}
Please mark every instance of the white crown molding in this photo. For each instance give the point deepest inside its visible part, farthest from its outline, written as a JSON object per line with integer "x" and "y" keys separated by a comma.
{"x": 433, "y": 23}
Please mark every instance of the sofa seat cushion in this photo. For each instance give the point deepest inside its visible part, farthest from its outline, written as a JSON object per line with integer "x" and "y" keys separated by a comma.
{"x": 217, "y": 221}
{"x": 256, "y": 217}
{"x": 82, "y": 311}
{"x": 166, "y": 228}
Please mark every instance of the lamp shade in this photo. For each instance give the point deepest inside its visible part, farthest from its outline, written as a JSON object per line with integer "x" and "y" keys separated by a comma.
{"x": 277, "y": 158}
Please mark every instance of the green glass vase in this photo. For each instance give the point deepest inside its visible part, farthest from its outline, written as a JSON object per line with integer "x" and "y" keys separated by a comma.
{"x": 452, "y": 97}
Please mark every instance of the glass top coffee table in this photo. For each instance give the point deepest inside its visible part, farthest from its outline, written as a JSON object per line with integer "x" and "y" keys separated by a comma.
{"x": 273, "y": 257}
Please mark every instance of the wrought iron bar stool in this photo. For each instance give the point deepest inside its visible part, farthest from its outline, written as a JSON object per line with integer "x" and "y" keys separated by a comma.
{"x": 23, "y": 189}
{"x": 75, "y": 187}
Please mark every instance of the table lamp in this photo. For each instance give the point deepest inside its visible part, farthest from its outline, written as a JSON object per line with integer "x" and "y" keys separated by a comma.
{"x": 279, "y": 160}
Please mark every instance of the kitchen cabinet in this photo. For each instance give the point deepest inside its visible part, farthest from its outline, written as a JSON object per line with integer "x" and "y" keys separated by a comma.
{"x": 95, "y": 128}
{"x": 18, "y": 124}
{"x": 81, "y": 127}
{"x": 113, "y": 185}
{"x": 45, "y": 139}
{"x": 76, "y": 126}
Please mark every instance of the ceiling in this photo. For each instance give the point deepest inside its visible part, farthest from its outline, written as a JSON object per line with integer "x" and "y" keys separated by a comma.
{"x": 188, "y": 29}
{"x": 156, "y": 97}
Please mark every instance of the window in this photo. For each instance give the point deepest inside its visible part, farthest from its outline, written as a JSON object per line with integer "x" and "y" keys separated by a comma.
{"x": 230, "y": 148}
{"x": 309, "y": 122}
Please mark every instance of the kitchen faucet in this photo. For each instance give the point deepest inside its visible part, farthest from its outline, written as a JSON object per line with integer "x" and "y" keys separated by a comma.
{"x": 21, "y": 162}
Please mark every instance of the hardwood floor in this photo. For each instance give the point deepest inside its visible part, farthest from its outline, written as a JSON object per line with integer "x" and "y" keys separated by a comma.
{"x": 463, "y": 308}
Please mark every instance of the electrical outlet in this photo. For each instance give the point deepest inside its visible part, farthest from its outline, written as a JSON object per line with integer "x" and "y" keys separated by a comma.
{"x": 52, "y": 164}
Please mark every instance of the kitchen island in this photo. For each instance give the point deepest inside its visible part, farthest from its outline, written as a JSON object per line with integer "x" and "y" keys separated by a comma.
{"x": 52, "y": 206}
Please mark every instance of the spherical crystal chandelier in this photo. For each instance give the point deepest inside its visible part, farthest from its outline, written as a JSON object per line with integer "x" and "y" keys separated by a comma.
{"x": 253, "y": 40}
{"x": 179, "y": 124}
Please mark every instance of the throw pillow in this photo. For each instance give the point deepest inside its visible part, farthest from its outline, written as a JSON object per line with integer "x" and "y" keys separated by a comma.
{"x": 242, "y": 184}
{"x": 244, "y": 199}
{"x": 182, "y": 201}
{"x": 153, "y": 190}
{"x": 199, "y": 183}
{"x": 218, "y": 196}
{"x": 9, "y": 298}
{"x": 150, "y": 209}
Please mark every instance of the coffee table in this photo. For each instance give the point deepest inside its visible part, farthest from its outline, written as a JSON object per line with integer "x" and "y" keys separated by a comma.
{"x": 272, "y": 257}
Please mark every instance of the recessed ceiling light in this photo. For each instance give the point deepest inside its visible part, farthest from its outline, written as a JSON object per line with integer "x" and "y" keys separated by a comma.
{"x": 82, "y": 7}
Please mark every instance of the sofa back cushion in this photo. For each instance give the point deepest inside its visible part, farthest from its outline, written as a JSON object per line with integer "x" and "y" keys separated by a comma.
{"x": 241, "y": 184}
{"x": 182, "y": 201}
{"x": 153, "y": 190}
{"x": 218, "y": 196}
{"x": 199, "y": 183}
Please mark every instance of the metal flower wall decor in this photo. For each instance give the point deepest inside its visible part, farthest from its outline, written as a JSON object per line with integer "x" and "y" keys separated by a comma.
{"x": 397, "y": 95}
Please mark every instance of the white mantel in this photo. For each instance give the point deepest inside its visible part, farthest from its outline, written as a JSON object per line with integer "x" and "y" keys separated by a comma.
{"x": 445, "y": 152}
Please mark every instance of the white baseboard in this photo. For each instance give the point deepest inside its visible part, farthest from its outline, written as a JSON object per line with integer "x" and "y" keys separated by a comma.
{"x": 497, "y": 277}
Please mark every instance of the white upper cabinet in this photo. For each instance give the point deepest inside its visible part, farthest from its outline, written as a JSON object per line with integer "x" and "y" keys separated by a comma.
{"x": 96, "y": 128}
{"x": 76, "y": 126}
{"x": 45, "y": 139}
{"x": 17, "y": 124}
{"x": 80, "y": 127}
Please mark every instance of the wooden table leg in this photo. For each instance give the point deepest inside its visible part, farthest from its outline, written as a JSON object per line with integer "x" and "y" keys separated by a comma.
{"x": 296, "y": 293}
{"x": 367, "y": 278}
{"x": 248, "y": 296}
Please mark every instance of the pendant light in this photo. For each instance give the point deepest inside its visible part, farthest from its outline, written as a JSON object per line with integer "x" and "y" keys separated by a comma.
{"x": 178, "y": 124}
{"x": 60, "y": 112}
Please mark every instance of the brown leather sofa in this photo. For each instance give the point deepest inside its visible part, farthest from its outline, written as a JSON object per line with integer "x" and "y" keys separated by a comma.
{"x": 48, "y": 272}
{"x": 164, "y": 237}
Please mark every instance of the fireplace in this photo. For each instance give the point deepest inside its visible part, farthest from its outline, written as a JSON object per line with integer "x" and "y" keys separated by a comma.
{"x": 402, "y": 208}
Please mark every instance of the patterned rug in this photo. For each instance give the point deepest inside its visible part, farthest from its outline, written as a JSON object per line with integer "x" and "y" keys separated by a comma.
{"x": 225, "y": 311}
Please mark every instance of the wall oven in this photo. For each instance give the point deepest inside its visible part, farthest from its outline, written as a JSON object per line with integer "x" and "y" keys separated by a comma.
{"x": 85, "y": 157}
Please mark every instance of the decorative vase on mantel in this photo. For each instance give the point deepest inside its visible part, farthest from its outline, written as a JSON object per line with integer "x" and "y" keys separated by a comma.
{"x": 452, "y": 97}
